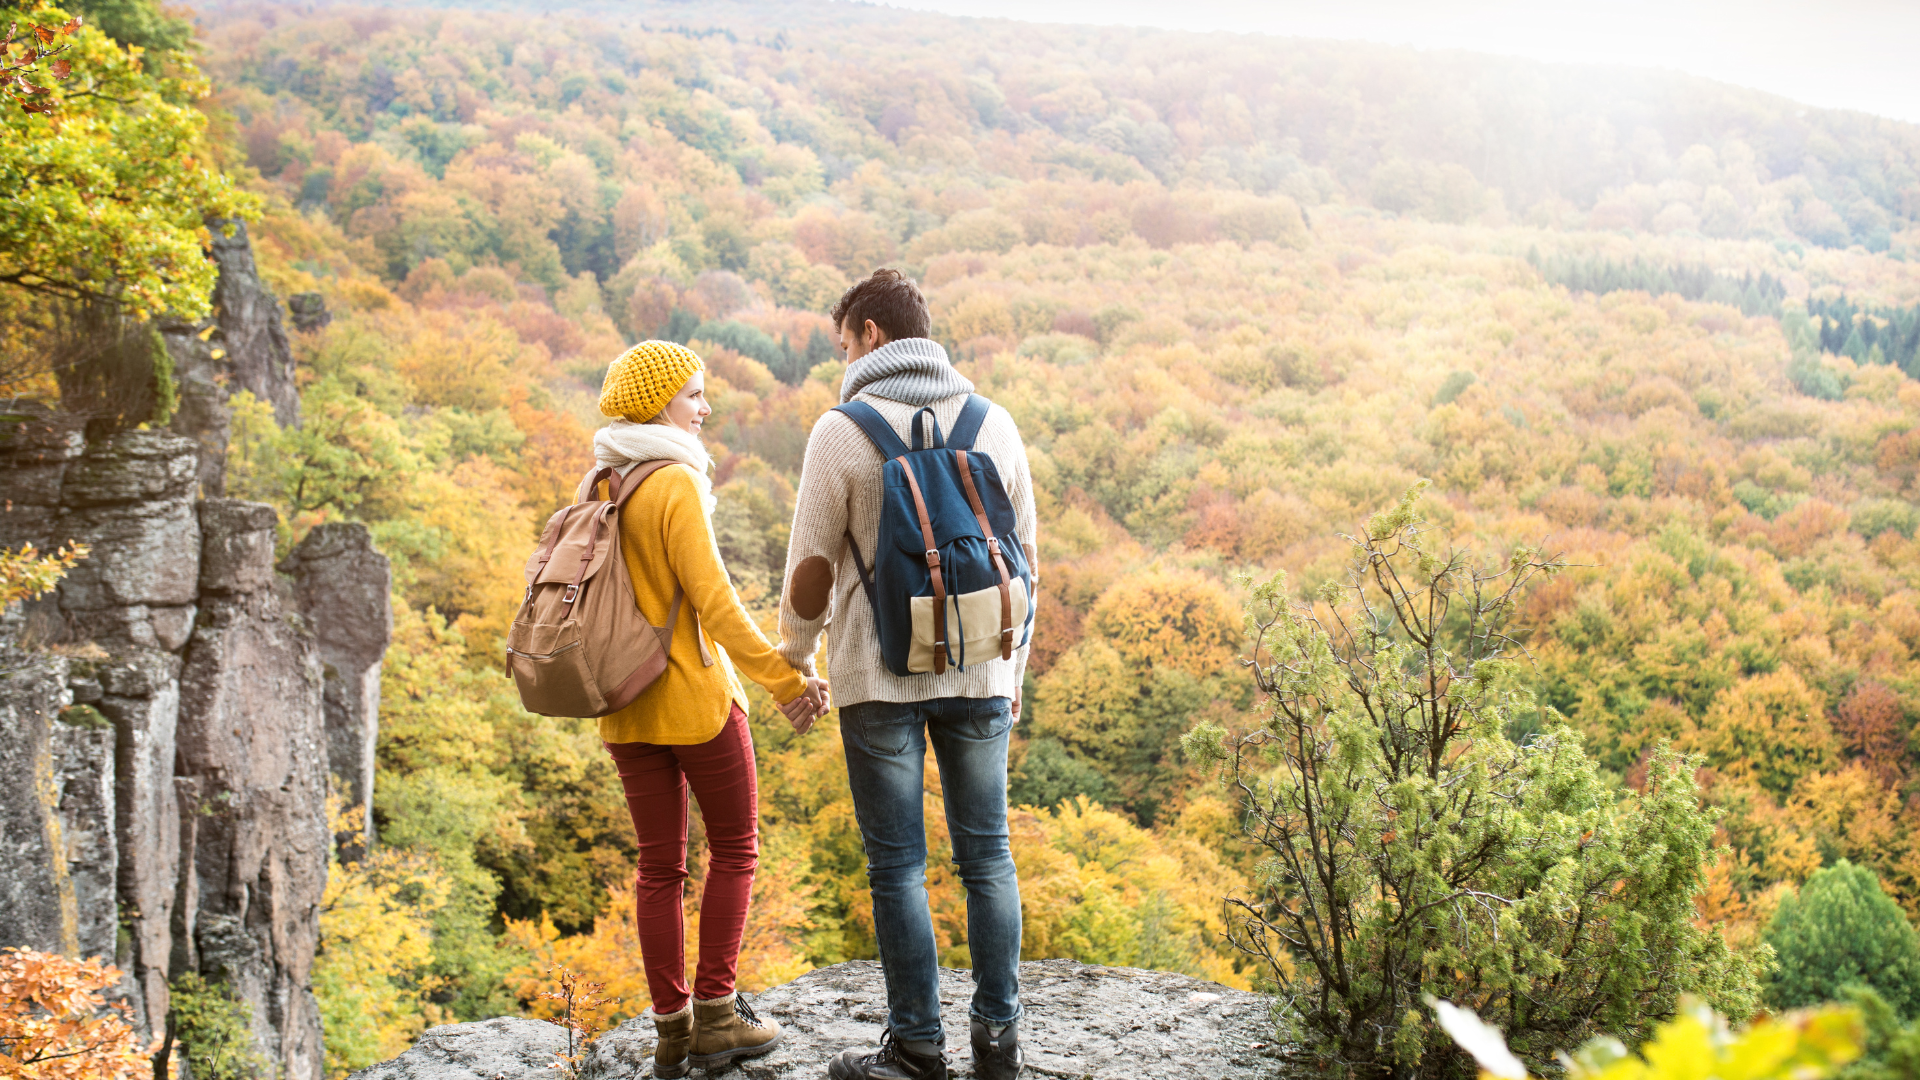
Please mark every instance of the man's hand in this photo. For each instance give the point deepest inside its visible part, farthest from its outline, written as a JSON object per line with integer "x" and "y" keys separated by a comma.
{"x": 1016, "y": 706}
{"x": 810, "y": 706}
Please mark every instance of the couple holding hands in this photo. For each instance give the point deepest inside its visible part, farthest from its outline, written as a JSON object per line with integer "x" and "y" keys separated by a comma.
{"x": 688, "y": 730}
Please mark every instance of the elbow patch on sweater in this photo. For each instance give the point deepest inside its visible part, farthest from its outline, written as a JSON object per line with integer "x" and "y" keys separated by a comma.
{"x": 811, "y": 586}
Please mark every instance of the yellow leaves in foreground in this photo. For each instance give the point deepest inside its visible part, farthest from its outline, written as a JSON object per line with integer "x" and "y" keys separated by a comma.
{"x": 56, "y": 1025}
{"x": 1695, "y": 1045}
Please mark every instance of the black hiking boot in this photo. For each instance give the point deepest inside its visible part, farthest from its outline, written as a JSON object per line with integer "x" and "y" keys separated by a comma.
{"x": 997, "y": 1057}
{"x": 891, "y": 1062}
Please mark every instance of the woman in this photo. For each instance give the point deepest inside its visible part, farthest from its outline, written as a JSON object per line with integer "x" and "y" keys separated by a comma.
{"x": 689, "y": 729}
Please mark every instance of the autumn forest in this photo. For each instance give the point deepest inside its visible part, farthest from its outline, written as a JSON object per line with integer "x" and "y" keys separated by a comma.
{"x": 1241, "y": 295}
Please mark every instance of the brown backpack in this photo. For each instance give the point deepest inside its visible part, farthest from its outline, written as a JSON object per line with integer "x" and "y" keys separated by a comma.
{"x": 579, "y": 645}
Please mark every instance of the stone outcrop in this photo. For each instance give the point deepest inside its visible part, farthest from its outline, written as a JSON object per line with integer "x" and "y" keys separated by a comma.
{"x": 37, "y": 900}
{"x": 343, "y": 585}
{"x": 170, "y": 760}
{"x": 242, "y": 346}
{"x": 254, "y": 743}
{"x": 1082, "y": 1021}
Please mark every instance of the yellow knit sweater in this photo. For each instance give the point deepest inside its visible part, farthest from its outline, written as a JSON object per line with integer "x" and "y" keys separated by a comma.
{"x": 665, "y": 536}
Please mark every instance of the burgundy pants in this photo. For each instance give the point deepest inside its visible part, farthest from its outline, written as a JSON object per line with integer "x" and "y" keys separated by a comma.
{"x": 656, "y": 779}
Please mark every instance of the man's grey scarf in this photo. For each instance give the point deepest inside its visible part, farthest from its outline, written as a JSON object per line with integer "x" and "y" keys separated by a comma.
{"x": 913, "y": 371}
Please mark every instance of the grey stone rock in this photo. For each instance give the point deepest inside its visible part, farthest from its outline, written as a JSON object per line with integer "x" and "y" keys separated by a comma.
{"x": 309, "y": 311}
{"x": 142, "y": 699}
{"x": 258, "y": 354}
{"x": 344, "y": 588}
{"x": 253, "y": 736}
{"x": 171, "y": 626}
{"x": 236, "y": 545}
{"x": 137, "y": 558}
{"x": 84, "y": 688}
{"x": 36, "y": 446}
{"x": 242, "y": 347}
{"x": 1082, "y": 1021}
{"x": 37, "y": 904}
{"x": 129, "y": 497}
{"x": 84, "y": 772}
{"x": 130, "y": 467}
{"x": 504, "y": 1048}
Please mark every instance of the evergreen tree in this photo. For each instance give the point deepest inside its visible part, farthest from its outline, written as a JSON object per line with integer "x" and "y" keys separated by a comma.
{"x": 1839, "y": 931}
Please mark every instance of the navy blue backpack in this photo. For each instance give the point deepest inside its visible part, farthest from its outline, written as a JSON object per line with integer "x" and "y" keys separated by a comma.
{"x": 950, "y": 584}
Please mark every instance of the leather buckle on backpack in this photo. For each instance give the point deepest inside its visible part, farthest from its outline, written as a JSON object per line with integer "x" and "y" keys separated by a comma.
{"x": 933, "y": 559}
{"x": 568, "y": 596}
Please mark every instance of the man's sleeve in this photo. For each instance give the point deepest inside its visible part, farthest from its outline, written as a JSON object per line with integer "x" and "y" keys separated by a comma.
{"x": 1026, "y": 526}
{"x": 818, "y": 539}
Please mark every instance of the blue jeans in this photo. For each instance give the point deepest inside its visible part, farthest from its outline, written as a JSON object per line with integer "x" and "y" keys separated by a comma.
{"x": 886, "y": 753}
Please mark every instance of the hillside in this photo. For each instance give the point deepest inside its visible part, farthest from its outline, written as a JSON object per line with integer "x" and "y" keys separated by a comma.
{"x": 1239, "y": 295}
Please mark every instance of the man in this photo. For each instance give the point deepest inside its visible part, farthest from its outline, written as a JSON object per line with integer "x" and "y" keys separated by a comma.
{"x": 887, "y": 721}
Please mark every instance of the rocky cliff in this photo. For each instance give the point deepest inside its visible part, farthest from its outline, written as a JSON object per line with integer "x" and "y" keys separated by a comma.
{"x": 169, "y": 716}
{"x": 243, "y": 345}
{"x": 1082, "y": 1021}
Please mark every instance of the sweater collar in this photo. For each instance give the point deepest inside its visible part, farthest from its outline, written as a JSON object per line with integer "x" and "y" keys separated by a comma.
{"x": 914, "y": 371}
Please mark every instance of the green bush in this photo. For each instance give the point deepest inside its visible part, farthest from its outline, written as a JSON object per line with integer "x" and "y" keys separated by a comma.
{"x": 1412, "y": 849}
{"x": 213, "y": 1031}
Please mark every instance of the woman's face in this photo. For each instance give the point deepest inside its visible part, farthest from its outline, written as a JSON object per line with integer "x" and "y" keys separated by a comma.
{"x": 689, "y": 408}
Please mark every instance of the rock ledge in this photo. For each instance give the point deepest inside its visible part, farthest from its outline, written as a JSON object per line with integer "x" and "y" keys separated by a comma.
{"x": 1082, "y": 1021}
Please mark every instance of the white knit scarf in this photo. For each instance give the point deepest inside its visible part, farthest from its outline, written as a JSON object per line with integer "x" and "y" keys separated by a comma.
{"x": 623, "y": 444}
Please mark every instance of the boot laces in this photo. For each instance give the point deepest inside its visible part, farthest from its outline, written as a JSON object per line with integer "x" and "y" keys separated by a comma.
{"x": 744, "y": 1011}
{"x": 892, "y": 1053}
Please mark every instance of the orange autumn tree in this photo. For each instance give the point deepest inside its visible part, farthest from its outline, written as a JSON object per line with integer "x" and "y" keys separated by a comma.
{"x": 56, "y": 1025}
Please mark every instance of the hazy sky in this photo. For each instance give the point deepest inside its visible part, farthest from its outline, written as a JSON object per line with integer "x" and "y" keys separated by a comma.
{"x": 1852, "y": 54}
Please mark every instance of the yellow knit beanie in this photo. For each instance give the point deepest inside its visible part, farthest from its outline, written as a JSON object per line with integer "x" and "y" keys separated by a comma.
{"x": 645, "y": 378}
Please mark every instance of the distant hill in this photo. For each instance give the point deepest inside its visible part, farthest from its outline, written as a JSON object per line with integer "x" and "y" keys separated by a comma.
{"x": 1449, "y": 136}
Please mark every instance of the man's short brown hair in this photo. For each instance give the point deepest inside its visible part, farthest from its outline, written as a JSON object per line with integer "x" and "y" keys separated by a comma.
{"x": 891, "y": 300}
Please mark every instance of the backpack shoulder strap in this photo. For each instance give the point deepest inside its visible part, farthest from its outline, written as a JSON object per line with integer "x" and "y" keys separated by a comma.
{"x": 879, "y": 432}
{"x": 628, "y": 485}
{"x": 966, "y": 426}
{"x": 637, "y": 476}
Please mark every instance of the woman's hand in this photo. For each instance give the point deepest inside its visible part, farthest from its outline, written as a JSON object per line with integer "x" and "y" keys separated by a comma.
{"x": 810, "y": 706}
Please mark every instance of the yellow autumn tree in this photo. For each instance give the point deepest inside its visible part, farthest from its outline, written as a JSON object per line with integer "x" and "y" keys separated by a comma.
{"x": 1174, "y": 618}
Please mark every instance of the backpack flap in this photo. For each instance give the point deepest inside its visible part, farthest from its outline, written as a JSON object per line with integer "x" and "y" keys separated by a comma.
{"x": 587, "y": 535}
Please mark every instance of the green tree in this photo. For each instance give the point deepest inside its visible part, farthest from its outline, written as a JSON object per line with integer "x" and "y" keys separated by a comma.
{"x": 1412, "y": 849}
{"x": 107, "y": 193}
{"x": 1842, "y": 930}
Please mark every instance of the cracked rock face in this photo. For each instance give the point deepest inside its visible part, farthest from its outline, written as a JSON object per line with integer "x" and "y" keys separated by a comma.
{"x": 1082, "y": 1021}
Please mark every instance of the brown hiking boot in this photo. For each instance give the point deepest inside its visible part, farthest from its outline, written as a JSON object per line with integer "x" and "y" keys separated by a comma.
{"x": 726, "y": 1028}
{"x": 673, "y": 1034}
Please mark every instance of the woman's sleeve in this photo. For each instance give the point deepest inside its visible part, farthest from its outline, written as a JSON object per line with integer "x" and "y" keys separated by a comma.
{"x": 694, "y": 557}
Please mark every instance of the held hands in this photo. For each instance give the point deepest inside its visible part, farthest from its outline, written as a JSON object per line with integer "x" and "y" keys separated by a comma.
{"x": 810, "y": 706}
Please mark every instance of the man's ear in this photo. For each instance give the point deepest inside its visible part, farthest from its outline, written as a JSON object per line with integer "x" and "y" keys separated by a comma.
{"x": 873, "y": 335}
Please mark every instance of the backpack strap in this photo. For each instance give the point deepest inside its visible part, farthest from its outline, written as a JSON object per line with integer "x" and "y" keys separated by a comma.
{"x": 621, "y": 489}
{"x": 878, "y": 431}
{"x": 940, "y": 649}
{"x": 993, "y": 547}
{"x": 866, "y": 580}
{"x": 966, "y": 426}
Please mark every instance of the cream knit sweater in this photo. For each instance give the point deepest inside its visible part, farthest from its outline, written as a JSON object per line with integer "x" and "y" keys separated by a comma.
{"x": 840, "y": 492}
